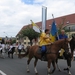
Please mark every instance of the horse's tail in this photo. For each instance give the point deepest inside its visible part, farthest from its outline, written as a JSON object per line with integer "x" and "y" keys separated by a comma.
{"x": 26, "y": 52}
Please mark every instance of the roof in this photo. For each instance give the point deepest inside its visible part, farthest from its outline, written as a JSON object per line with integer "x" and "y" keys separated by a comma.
{"x": 68, "y": 19}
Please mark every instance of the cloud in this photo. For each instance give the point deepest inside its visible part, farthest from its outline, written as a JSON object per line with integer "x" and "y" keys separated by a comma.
{"x": 14, "y": 14}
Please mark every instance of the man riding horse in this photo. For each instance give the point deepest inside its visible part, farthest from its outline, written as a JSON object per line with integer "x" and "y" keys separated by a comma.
{"x": 44, "y": 40}
{"x": 62, "y": 36}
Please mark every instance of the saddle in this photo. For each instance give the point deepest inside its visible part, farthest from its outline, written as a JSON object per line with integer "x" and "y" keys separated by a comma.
{"x": 45, "y": 51}
{"x": 39, "y": 51}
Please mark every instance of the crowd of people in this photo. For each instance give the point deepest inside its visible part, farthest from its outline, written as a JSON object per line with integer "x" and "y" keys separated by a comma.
{"x": 5, "y": 48}
{"x": 45, "y": 39}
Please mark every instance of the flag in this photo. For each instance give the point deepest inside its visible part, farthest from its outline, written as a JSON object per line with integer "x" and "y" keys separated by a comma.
{"x": 35, "y": 27}
{"x": 53, "y": 32}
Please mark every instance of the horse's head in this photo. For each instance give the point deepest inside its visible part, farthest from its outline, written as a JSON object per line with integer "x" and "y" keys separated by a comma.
{"x": 73, "y": 37}
{"x": 65, "y": 44}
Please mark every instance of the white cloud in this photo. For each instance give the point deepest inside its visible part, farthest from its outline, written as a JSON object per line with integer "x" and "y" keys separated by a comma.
{"x": 14, "y": 14}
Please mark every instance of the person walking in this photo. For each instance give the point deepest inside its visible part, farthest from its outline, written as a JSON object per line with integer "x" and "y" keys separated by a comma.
{"x": 20, "y": 48}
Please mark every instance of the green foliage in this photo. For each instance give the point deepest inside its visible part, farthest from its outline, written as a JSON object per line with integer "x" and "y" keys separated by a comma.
{"x": 60, "y": 25}
{"x": 30, "y": 33}
{"x": 14, "y": 41}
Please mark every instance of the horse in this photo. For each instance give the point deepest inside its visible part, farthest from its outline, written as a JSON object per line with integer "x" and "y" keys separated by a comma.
{"x": 72, "y": 44}
{"x": 11, "y": 52}
{"x": 51, "y": 55}
{"x": 66, "y": 56}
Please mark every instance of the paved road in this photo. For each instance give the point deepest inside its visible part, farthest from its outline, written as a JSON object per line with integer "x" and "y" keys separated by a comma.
{"x": 18, "y": 66}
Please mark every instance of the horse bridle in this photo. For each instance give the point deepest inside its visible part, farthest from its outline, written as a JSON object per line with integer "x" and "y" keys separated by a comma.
{"x": 65, "y": 48}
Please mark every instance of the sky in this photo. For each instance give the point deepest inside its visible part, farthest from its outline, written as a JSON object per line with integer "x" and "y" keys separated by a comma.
{"x": 14, "y": 14}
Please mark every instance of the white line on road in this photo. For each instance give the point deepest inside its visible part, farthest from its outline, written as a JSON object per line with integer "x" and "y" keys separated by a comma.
{"x": 1, "y": 72}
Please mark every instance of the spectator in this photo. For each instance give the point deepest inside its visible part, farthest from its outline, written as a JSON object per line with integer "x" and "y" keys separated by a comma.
{"x": 19, "y": 48}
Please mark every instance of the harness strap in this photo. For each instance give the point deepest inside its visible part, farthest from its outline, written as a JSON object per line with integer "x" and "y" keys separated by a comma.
{"x": 69, "y": 47}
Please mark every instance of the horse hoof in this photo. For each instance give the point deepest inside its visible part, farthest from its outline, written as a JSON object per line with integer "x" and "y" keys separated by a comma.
{"x": 8, "y": 56}
{"x": 60, "y": 70}
{"x": 48, "y": 74}
{"x": 65, "y": 69}
{"x": 28, "y": 71}
{"x": 70, "y": 74}
{"x": 36, "y": 73}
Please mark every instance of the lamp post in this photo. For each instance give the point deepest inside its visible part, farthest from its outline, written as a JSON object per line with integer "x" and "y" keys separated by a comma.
{"x": 6, "y": 37}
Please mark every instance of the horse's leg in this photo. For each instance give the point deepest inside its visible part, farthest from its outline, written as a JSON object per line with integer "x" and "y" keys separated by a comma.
{"x": 1, "y": 53}
{"x": 12, "y": 55}
{"x": 72, "y": 56}
{"x": 53, "y": 63}
{"x": 49, "y": 64}
{"x": 28, "y": 62}
{"x": 69, "y": 65}
{"x": 8, "y": 54}
{"x": 69, "y": 71}
{"x": 57, "y": 64}
{"x": 35, "y": 63}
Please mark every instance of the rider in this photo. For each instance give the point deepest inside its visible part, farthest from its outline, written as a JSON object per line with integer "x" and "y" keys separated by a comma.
{"x": 44, "y": 40}
{"x": 62, "y": 36}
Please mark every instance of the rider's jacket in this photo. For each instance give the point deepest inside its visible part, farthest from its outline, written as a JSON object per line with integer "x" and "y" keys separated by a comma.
{"x": 43, "y": 40}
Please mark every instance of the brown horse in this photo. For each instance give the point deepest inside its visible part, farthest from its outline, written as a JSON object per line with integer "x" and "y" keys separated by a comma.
{"x": 51, "y": 55}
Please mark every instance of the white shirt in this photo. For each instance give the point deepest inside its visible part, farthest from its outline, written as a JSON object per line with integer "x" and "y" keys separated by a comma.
{"x": 0, "y": 48}
{"x": 10, "y": 47}
{"x": 3, "y": 46}
{"x": 20, "y": 47}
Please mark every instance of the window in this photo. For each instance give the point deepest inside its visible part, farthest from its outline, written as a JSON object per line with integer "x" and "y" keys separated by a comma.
{"x": 24, "y": 38}
{"x": 24, "y": 42}
{"x": 69, "y": 28}
{"x": 28, "y": 42}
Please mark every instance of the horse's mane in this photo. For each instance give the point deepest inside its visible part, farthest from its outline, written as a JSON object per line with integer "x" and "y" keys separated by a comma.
{"x": 59, "y": 41}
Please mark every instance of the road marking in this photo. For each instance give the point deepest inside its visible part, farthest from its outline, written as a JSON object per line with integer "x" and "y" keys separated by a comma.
{"x": 1, "y": 72}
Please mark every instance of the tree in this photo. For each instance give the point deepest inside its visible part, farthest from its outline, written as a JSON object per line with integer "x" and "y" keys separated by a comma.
{"x": 60, "y": 26}
{"x": 30, "y": 33}
{"x": 14, "y": 41}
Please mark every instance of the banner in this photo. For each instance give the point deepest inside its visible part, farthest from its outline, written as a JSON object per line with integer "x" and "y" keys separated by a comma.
{"x": 35, "y": 27}
{"x": 53, "y": 31}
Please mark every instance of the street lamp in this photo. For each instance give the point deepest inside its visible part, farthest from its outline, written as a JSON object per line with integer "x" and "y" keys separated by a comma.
{"x": 6, "y": 37}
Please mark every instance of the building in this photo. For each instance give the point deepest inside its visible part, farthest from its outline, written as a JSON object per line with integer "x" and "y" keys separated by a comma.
{"x": 67, "y": 22}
